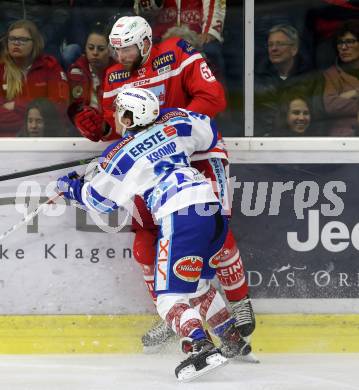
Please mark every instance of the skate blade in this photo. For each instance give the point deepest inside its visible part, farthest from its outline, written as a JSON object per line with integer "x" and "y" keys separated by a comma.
{"x": 250, "y": 358}
{"x": 189, "y": 373}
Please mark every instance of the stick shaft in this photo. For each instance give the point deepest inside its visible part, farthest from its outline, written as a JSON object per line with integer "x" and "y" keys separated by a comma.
{"x": 30, "y": 216}
{"x": 49, "y": 168}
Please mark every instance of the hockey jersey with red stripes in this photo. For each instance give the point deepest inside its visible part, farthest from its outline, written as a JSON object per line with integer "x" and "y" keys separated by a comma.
{"x": 177, "y": 74}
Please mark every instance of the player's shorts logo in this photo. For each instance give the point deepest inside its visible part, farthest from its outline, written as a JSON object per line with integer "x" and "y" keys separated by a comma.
{"x": 188, "y": 268}
{"x": 162, "y": 264}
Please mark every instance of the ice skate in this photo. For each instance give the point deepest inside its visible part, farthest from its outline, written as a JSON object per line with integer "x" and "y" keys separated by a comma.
{"x": 233, "y": 344}
{"x": 156, "y": 338}
{"x": 204, "y": 357}
{"x": 243, "y": 313}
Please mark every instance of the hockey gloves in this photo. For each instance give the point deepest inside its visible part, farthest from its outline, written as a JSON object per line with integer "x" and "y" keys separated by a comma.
{"x": 70, "y": 186}
{"x": 90, "y": 123}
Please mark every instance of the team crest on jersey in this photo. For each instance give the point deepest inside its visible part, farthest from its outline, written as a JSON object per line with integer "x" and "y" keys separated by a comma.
{"x": 186, "y": 47}
{"x": 112, "y": 153}
{"x": 118, "y": 76}
{"x": 163, "y": 60}
{"x": 188, "y": 268}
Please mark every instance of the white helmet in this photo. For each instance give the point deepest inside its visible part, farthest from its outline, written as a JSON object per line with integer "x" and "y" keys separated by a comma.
{"x": 141, "y": 102}
{"x": 131, "y": 30}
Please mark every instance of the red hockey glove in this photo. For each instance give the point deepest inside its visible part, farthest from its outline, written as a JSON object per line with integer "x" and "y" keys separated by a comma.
{"x": 90, "y": 123}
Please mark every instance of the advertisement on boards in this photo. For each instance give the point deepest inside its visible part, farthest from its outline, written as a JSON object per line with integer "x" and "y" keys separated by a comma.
{"x": 298, "y": 228}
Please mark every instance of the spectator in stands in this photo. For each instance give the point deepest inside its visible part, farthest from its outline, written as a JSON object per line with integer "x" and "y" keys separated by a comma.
{"x": 293, "y": 118}
{"x": 341, "y": 82}
{"x": 202, "y": 17}
{"x": 84, "y": 15}
{"x": 285, "y": 69}
{"x": 85, "y": 75}
{"x": 323, "y": 19}
{"x": 51, "y": 17}
{"x": 42, "y": 120}
{"x": 272, "y": 13}
{"x": 26, "y": 73}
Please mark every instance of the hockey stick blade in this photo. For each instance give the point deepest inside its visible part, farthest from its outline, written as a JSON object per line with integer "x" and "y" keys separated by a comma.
{"x": 49, "y": 168}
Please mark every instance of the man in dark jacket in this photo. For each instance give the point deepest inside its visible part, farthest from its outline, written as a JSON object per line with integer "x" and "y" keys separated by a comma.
{"x": 284, "y": 70}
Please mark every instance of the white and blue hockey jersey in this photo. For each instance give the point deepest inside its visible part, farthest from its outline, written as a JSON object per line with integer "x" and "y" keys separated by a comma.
{"x": 155, "y": 164}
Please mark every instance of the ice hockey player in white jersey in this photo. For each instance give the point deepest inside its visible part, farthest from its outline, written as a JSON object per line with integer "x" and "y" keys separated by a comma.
{"x": 153, "y": 160}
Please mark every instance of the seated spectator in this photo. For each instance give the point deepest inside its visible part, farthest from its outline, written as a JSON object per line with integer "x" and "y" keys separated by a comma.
{"x": 294, "y": 118}
{"x": 341, "y": 82}
{"x": 26, "y": 73}
{"x": 85, "y": 75}
{"x": 42, "y": 120}
{"x": 284, "y": 70}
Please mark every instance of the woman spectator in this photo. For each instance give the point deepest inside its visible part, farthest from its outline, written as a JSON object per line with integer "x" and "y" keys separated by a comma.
{"x": 26, "y": 73}
{"x": 42, "y": 120}
{"x": 341, "y": 82}
{"x": 294, "y": 118}
{"x": 85, "y": 75}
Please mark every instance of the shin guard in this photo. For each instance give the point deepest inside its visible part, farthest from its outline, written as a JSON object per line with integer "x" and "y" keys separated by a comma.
{"x": 230, "y": 271}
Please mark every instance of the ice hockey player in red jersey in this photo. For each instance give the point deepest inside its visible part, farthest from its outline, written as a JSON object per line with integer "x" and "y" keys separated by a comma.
{"x": 180, "y": 77}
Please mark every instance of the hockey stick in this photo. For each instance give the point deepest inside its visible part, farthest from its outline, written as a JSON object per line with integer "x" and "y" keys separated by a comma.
{"x": 49, "y": 168}
{"x": 30, "y": 216}
{"x": 38, "y": 210}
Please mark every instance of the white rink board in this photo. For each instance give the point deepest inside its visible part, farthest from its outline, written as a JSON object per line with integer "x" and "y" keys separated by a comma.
{"x": 113, "y": 284}
{"x": 41, "y": 274}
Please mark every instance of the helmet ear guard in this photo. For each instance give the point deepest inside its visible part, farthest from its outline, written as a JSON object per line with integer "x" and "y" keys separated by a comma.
{"x": 131, "y": 30}
{"x": 142, "y": 103}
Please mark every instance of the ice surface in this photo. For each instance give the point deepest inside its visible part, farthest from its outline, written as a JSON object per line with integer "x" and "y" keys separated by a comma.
{"x": 156, "y": 372}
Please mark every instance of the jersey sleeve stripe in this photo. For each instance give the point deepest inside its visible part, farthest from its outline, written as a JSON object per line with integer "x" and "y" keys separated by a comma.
{"x": 94, "y": 201}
